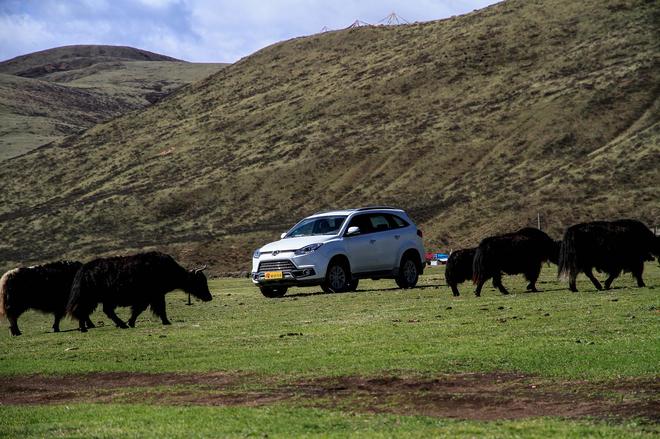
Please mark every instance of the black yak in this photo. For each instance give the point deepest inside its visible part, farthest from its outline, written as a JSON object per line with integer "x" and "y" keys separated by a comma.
{"x": 137, "y": 281}
{"x": 521, "y": 252}
{"x": 608, "y": 246}
{"x": 45, "y": 288}
{"x": 459, "y": 268}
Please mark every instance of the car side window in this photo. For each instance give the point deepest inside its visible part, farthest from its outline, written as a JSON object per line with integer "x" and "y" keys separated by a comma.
{"x": 361, "y": 221}
{"x": 379, "y": 222}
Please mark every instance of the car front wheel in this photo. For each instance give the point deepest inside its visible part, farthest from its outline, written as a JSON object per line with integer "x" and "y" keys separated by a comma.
{"x": 337, "y": 278}
{"x": 408, "y": 273}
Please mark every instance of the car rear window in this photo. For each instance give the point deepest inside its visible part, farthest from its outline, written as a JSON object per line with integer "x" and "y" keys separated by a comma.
{"x": 396, "y": 222}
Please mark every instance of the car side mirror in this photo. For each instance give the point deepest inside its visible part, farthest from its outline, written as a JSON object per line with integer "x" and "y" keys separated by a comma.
{"x": 352, "y": 231}
{"x": 282, "y": 235}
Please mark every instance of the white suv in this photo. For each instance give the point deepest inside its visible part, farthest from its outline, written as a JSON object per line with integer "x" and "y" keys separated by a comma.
{"x": 335, "y": 249}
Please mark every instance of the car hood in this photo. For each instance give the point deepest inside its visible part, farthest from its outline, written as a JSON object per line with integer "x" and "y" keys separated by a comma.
{"x": 295, "y": 243}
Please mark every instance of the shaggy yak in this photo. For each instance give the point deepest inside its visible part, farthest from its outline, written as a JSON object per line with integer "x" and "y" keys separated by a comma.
{"x": 43, "y": 287}
{"x": 609, "y": 247}
{"x": 523, "y": 252}
{"x": 137, "y": 281}
{"x": 459, "y": 268}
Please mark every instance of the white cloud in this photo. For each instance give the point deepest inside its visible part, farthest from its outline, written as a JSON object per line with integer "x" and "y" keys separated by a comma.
{"x": 158, "y": 3}
{"x": 25, "y": 32}
{"x": 196, "y": 30}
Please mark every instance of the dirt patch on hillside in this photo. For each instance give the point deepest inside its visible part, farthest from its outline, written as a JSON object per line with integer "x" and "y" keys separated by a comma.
{"x": 462, "y": 396}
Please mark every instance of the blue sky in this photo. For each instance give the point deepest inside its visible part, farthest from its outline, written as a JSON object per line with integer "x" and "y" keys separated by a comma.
{"x": 196, "y": 30}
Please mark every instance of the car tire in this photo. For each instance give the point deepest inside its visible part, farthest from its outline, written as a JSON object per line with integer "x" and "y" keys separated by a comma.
{"x": 353, "y": 285}
{"x": 273, "y": 292}
{"x": 337, "y": 278}
{"x": 408, "y": 273}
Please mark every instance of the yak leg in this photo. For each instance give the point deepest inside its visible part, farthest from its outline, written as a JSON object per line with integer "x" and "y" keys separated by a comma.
{"x": 593, "y": 279}
{"x": 109, "y": 311}
{"x": 532, "y": 276}
{"x": 637, "y": 274}
{"x": 56, "y": 323}
{"x": 480, "y": 284}
{"x": 13, "y": 325}
{"x": 81, "y": 321}
{"x": 136, "y": 310}
{"x": 454, "y": 289}
{"x": 610, "y": 279}
{"x": 497, "y": 282}
{"x": 158, "y": 308}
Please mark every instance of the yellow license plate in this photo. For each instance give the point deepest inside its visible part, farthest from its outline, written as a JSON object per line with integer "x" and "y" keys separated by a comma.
{"x": 270, "y": 275}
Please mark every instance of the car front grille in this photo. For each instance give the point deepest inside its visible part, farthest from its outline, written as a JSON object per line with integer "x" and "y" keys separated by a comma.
{"x": 276, "y": 265}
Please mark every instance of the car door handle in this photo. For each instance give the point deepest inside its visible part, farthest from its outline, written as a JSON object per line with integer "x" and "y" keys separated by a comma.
{"x": 397, "y": 236}
{"x": 372, "y": 241}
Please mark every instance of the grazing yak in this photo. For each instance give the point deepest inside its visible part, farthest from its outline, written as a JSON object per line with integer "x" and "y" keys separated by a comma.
{"x": 137, "y": 281}
{"x": 608, "y": 246}
{"x": 43, "y": 287}
{"x": 519, "y": 252}
{"x": 459, "y": 268}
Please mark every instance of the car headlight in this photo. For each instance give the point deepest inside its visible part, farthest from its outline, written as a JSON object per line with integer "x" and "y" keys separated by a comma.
{"x": 307, "y": 249}
{"x": 256, "y": 254}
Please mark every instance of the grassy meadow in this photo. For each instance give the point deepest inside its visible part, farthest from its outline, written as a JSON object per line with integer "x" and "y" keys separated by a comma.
{"x": 593, "y": 342}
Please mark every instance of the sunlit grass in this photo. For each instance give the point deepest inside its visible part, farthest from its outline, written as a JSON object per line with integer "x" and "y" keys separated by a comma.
{"x": 554, "y": 333}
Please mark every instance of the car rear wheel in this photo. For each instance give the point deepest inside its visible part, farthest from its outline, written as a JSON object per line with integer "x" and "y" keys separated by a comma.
{"x": 273, "y": 292}
{"x": 337, "y": 278}
{"x": 408, "y": 273}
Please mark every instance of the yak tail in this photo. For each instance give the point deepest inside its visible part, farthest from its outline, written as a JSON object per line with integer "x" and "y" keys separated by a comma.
{"x": 478, "y": 266}
{"x": 74, "y": 297}
{"x": 567, "y": 256}
{"x": 449, "y": 270}
{"x": 3, "y": 291}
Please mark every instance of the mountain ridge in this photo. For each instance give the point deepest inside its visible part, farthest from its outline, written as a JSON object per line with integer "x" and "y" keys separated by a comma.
{"x": 63, "y": 58}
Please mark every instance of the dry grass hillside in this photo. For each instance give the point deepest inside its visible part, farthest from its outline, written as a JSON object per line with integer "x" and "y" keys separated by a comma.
{"x": 47, "y": 95}
{"x": 474, "y": 124}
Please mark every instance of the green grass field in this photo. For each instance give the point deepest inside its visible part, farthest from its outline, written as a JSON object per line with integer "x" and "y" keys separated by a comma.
{"x": 311, "y": 364}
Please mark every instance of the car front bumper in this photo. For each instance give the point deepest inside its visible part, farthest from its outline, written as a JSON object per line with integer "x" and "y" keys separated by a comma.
{"x": 294, "y": 270}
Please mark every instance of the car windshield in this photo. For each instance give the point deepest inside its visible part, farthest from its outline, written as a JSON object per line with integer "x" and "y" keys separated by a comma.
{"x": 325, "y": 225}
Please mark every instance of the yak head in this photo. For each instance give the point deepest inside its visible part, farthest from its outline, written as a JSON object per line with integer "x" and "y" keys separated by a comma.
{"x": 197, "y": 285}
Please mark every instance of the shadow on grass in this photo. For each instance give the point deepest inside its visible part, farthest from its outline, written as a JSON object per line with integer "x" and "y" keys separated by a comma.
{"x": 558, "y": 289}
{"x": 372, "y": 290}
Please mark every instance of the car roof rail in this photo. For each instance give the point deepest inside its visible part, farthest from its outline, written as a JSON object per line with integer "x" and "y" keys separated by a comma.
{"x": 378, "y": 207}
{"x": 328, "y": 211}
{"x": 356, "y": 210}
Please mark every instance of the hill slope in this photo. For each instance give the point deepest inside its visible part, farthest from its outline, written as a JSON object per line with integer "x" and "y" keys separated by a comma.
{"x": 474, "y": 124}
{"x": 47, "y": 95}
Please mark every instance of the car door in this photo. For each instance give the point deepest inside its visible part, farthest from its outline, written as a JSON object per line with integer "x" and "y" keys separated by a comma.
{"x": 372, "y": 249}
{"x": 360, "y": 248}
{"x": 386, "y": 243}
